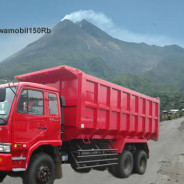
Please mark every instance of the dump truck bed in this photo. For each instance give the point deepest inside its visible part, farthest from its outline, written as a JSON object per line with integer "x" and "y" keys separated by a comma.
{"x": 97, "y": 109}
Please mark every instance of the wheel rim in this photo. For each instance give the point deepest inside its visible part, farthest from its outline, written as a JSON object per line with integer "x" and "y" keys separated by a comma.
{"x": 43, "y": 174}
{"x": 127, "y": 164}
{"x": 142, "y": 163}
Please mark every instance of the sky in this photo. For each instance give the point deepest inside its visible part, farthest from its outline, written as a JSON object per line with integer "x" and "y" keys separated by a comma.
{"x": 154, "y": 22}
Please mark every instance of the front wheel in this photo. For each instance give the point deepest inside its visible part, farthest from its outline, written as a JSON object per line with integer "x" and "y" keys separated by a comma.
{"x": 2, "y": 176}
{"x": 41, "y": 170}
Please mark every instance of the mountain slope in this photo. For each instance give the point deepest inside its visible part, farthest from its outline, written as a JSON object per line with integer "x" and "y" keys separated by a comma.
{"x": 86, "y": 47}
{"x": 152, "y": 70}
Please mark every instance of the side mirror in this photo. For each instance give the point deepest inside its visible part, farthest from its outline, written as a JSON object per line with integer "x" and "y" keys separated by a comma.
{"x": 2, "y": 94}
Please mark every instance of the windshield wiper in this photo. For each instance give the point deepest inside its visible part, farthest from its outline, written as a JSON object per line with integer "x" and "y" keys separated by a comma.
{"x": 3, "y": 119}
{"x": 12, "y": 90}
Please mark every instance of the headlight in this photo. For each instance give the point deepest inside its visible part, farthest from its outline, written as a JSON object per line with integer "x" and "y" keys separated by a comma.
{"x": 5, "y": 147}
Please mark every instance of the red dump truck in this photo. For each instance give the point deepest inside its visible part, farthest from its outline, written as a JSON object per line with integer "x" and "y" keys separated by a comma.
{"x": 64, "y": 116}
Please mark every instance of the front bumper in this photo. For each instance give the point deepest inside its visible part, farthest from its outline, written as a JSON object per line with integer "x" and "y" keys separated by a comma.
{"x": 5, "y": 162}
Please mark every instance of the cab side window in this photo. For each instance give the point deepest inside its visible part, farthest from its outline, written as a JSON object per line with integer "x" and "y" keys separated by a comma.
{"x": 31, "y": 102}
{"x": 53, "y": 105}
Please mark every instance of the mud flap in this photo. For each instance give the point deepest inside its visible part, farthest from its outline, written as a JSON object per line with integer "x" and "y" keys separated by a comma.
{"x": 58, "y": 167}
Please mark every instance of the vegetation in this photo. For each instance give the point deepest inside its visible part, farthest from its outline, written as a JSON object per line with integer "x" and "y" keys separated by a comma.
{"x": 169, "y": 116}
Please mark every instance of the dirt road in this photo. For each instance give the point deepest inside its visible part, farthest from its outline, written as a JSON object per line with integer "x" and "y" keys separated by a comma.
{"x": 165, "y": 165}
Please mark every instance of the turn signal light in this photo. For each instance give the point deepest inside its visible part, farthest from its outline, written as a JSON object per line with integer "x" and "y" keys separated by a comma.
{"x": 17, "y": 146}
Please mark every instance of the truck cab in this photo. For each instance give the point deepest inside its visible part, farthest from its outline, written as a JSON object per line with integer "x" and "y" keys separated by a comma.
{"x": 29, "y": 118}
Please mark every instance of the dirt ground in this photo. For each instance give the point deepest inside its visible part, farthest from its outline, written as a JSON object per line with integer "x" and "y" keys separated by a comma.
{"x": 171, "y": 171}
{"x": 165, "y": 165}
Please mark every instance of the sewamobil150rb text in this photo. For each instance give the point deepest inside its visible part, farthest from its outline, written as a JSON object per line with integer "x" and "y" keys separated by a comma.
{"x": 34, "y": 30}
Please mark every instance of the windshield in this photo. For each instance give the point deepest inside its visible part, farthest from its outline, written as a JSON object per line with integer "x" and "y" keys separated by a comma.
{"x": 6, "y": 105}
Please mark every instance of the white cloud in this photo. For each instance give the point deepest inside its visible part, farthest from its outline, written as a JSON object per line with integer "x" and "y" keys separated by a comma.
{"x": 106, "y": 24}
{"x": 99, "y": 19}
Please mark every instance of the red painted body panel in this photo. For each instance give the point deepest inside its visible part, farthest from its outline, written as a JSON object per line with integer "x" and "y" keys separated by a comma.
{"x": 6, "y": 162}
{"x": 120, "y": 143}
{"x": 23, "y": 129}
{"x": 25, "y": 126}
{"x": 97, "y": 109}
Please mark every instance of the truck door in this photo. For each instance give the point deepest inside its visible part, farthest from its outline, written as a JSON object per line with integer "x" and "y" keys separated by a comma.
{"x": 29, "y": 121}
{"x": 53, "y": 117}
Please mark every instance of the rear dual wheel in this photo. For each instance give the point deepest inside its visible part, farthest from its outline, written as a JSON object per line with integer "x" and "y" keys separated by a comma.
{"x": 74, "y": 167}
{"x": 140, "y": 162}
{"x": 124, "y": 167}
{"x": 126, "y": 163}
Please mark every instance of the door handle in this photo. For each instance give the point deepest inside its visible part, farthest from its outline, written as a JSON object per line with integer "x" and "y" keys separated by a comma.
{"x": 52, "y": 119}
{"x": 45, "y": 128}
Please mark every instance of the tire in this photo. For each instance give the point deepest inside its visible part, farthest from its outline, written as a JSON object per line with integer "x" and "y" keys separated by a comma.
{"x": 125, "y": 165}
{"x": 111, "y": 170}
{"x": 74, "y": 166}
{"x": 140, "y": 162}
{"x": 41, "y": 170}
{"x": 2, "y": 176}
{"x": 103, "y": 168}
{"x": 87, "y": 170}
